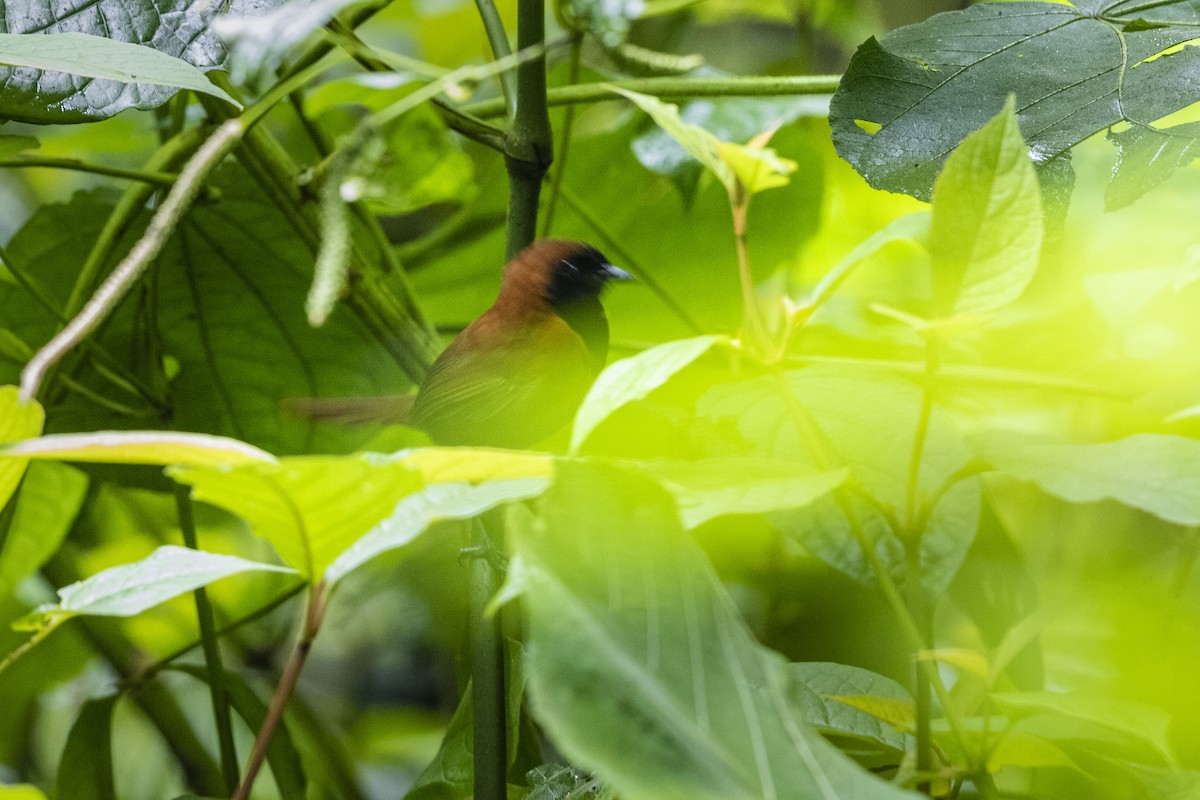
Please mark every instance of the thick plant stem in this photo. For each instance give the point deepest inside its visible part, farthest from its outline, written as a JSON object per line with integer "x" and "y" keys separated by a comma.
{"x": 529, "y": 146}
{"x": 318, "y": 597}
{"x": 487, "y": 672}
{"x": 212, "y": 650}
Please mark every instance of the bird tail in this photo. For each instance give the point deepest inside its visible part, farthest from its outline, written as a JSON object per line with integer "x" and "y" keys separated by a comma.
{"x": 389, "y": 410}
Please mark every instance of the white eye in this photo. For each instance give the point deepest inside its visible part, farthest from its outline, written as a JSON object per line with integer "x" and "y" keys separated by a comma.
{"x": 569, "y": 264}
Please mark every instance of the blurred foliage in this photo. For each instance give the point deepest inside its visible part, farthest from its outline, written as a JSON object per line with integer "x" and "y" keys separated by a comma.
{"x": 983, "y": 408}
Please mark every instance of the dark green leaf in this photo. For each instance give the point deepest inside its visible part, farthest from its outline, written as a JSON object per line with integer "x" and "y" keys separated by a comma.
{"x": 86, "y": 769}
{"x": 1146, "y": 157}
{"x": 909, "y": 98}
{"x": 177, "y": 29}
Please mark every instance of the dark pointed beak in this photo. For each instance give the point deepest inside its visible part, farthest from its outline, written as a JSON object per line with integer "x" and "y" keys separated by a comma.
{"x": 616, "y": 273}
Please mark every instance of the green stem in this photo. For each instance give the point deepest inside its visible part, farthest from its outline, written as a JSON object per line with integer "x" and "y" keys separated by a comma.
{"x": 678, "y": 88}
{"x": 529, "y": 146}
{"x": 212, "y": 650}
{"x": 497, "y": 36}
{"x": 314, "y": 615}
{"x": 922, "y": 687}
{"x": 25, "y": 162}
{"x": 564, "y": 137}
{"x": 488, "y": 693}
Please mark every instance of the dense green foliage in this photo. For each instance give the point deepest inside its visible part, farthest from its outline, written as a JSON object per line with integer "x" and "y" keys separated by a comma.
{"x": 884, "y": 492}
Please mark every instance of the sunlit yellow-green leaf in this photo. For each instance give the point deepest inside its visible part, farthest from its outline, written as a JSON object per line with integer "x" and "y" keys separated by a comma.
{"x": 310, "y": 508}
{"x": 700, "y": 143}
{"x": 1020, "y": 749}
{"x": 473, "y": 464}
{"x": 21, "y": 791}
{"x": 18, "y": 420}
{"x": 1153, "y": 472}
{"x": 757, "y": 169}
{"x": 138, "y": 447}
{"x": 635, "y": 377}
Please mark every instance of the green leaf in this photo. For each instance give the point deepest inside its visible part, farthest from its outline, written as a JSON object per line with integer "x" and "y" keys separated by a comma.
{"x": 310, "y": 509}
{"x": 986, "y": 234}
{"x": 1147, "y": 723}
{"x": 90, "y": 56}
{"x": 1075, "y": 70}
{"x": 416, "y": 512}
{"x": 138, "y": 447}
{"x": 741, "y": 169}
{"x": 715, "y": 487}
{"x": 1146, "y": 157}
{"x": 286, "y": 766}
{"x": 824, "y": 704}
{"x": 634, "y": 378}
{"x": 174, "y": 29}
{"x": 21, "y": 791}
{"x": 86, "y": 769}
{"x": 641, "y": 668}
{"x": 18, "y": 420}
{"x": 169, "y": 571}
{"x": 50, "y": 499}
{"x": 1153, "y": 472}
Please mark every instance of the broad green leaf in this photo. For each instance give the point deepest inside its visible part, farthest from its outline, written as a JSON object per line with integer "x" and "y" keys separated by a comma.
{"x": 86, "y": 768}
{"x": 472, "y": 464}
{"x": 130, "y": 589}
{"x": 828, "y": 687}
{"x": 169, "y": 29}
{"x": 986, "y": 234}
{"x": 908, "y": 98}
{"x": 49, "y": 501}
{"x": 310, "y": 509}
{"x": 416, "y": 512}
{"x": 833, "y": 417}
{"x": 1137, "y": 720}
{"x": 88, "y": 56}
{"x": 138, "y": 447}
{"x": 1153, "y": 472}
{"x": 286, "y": 766}
{"x": 21, "y": 791}
{"x": 12, "y": 145}
{"x": 1146, "y": 157}
{"x": 18, "y": 420}
{"x": 640, "y": 666}
{"x": 716, "y": 487}
{"x": 635, "y": 377}
{"x": 756, "y": 168}
{"x": 562, "y": 782}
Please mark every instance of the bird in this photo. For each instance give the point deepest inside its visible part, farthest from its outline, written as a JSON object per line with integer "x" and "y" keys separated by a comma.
{"x": 517, "y": 374}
